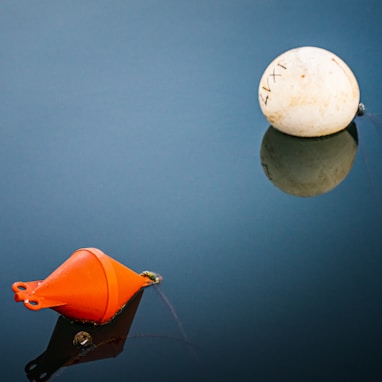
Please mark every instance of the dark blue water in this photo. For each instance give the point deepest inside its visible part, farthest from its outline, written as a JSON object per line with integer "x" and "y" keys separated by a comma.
{"x": 134, "y": 127}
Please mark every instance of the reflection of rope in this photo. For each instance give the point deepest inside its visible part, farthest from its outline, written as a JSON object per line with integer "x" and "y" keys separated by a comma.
{"x": 376, "y": 122}
{"x": 173, "y": 312}
{"x": 178, "y": 322}
{"x": 372, "y": 117}
{"x": 161, "y": 336}
{"x": 378, "y": 125}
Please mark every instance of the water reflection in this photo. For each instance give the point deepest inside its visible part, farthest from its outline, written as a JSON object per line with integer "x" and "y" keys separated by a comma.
{"x": 73, "y": 342}
{"x": 308, "y": 166}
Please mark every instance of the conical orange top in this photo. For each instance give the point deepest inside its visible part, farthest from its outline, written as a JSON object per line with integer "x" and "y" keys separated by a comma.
{"x": 89, "y": 286}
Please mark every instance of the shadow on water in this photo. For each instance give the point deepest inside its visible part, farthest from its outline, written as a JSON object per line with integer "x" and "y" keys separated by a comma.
{"x": 74, "y": 342}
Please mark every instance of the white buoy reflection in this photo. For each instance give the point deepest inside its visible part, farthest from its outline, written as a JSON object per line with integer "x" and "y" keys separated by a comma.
{"x": 308, "y": 167}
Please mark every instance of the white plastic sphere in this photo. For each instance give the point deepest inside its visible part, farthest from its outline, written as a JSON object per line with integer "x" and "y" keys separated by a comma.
{"x": 309, "y": 92}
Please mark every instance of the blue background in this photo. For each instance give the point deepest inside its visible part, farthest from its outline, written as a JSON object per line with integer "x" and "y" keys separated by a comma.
{"x": 134, "y": 127}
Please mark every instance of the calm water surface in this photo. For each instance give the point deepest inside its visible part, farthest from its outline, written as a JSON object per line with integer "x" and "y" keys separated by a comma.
{"x": 134, "y": 127}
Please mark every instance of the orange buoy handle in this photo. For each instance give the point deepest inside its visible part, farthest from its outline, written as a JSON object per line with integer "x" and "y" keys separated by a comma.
{"x": 24, "y": 291}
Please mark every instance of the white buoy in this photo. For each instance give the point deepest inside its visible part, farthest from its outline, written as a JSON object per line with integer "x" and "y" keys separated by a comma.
{"x": 309, "y": 92}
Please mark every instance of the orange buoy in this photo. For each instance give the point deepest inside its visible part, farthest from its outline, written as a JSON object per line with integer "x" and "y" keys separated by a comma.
{"x": 88, "y": 286}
